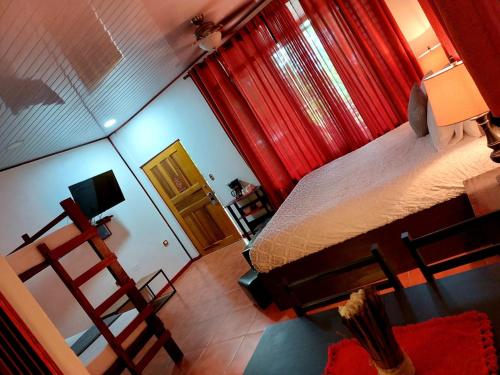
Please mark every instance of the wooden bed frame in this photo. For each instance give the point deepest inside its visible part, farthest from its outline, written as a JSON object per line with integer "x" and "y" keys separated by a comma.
{"x": 388, "y": 237}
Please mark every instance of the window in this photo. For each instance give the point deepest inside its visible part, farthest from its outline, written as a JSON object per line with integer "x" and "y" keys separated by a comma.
{"x": 315, "y": 107}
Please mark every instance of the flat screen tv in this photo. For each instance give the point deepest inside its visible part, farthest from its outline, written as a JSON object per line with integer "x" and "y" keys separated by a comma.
{"x": 97, "y": 194}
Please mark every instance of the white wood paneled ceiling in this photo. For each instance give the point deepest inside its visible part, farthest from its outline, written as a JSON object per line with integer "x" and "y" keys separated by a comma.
{"x": 68, "y": 66}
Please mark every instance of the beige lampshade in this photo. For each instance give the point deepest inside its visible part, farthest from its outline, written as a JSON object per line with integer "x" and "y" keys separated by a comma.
{"x": 433, "y": 59}
{"x": 453, "y": 95}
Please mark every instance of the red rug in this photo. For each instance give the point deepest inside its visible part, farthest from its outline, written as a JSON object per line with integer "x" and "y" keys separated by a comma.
{"x": 456, "y": 345}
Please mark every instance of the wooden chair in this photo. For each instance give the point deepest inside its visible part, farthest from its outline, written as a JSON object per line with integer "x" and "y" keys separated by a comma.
{"x": 475, "y": 226}
{"x": 376, "y": 257}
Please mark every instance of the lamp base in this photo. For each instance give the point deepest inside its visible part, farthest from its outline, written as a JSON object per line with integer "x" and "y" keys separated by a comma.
{"x": 492, "y": 133}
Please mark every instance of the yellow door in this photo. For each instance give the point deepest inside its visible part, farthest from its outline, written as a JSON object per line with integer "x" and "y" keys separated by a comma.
{"x": 190, "y": 199}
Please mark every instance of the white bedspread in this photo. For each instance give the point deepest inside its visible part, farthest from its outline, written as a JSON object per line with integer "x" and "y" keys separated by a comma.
{"x": 396, "y": 175}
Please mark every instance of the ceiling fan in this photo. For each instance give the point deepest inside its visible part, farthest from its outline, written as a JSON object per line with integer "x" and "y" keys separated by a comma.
{"x": 209, "y": 35}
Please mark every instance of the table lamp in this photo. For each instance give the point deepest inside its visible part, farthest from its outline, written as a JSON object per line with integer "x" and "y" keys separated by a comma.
{"x": 455, "y": 98}
{"x": 433, "y": 59}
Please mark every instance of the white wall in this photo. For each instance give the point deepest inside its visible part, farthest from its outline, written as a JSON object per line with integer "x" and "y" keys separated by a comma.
{"x": 413, "y": 23}
{"x": 29, "y": 199}
{"x": 182, "y": 113}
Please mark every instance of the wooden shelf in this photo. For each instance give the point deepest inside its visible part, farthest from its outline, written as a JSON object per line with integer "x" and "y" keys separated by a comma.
{"x": 254, "y": 211}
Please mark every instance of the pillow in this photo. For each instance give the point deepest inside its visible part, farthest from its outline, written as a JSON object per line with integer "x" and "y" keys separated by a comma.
{"x": 417, "y": 111}
{"x": 443, "y": 136}
{"x": 472, "y": 128}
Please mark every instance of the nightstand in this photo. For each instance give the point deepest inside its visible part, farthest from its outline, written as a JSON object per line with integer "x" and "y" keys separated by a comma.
{"x": 251, "y": 211}
{"x": 483, "y": 192}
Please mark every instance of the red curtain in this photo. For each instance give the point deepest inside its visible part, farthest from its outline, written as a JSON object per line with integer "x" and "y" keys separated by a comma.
{"x": 474, "y": 29}
{"x": 438, "y": 26}
{"x": 243, "y": 128}
{"x": 277, "y": 103}
{"x": 371, "y": 56}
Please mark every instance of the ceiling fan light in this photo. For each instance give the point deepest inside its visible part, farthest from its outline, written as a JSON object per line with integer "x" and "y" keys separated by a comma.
{"x": 211, "y": 41}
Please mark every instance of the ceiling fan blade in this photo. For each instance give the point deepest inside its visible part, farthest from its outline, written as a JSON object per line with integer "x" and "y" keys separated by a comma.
{"x": 179, "y": 42}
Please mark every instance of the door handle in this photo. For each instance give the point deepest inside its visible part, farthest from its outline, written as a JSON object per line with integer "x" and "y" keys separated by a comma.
{"x": 212, "y": 197}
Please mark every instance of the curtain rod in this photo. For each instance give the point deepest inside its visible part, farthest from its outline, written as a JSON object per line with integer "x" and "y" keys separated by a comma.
{"x": 249, "y": 16}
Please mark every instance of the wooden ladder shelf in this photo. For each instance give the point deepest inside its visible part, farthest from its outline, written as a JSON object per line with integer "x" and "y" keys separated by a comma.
{"x": 154, "y": 326}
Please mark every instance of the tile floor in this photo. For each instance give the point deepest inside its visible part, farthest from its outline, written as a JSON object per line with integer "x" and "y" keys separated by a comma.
{"x": 215, "y": 323}
{"x": 212, "y": 319}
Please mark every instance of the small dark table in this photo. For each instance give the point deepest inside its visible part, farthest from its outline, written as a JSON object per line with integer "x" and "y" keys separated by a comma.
{"x": 300, "y": 346}
{"x": 158, "y": 299}
{"x": 251, "y": 211}
{"x": 143, "y": 284}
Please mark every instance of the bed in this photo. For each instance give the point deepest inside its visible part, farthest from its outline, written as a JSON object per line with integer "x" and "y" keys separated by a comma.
{"x": 396, "y": 183}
